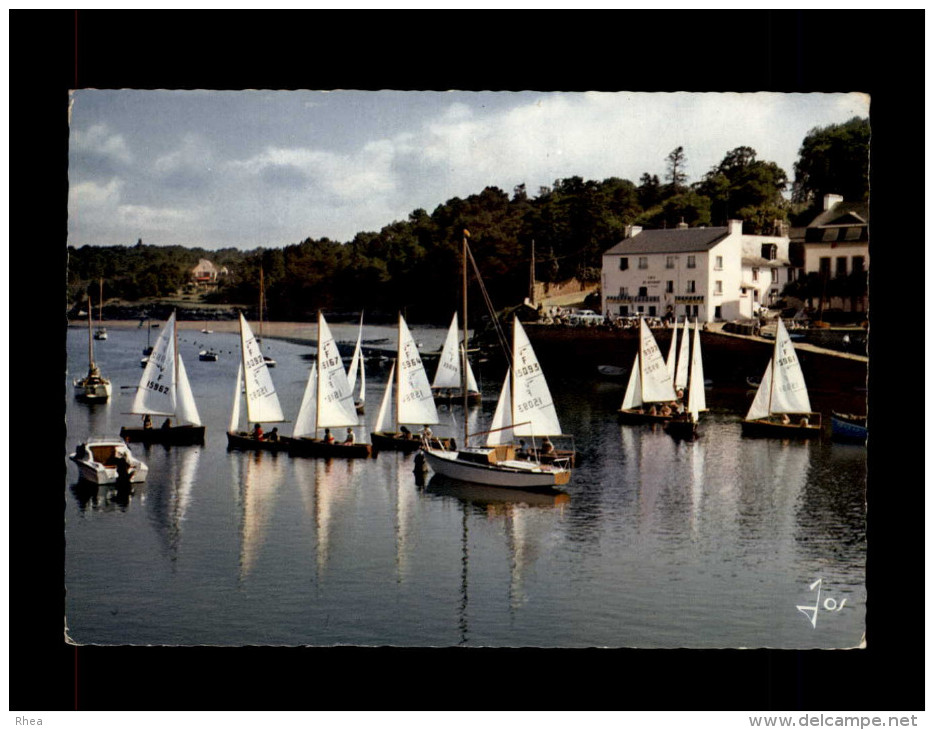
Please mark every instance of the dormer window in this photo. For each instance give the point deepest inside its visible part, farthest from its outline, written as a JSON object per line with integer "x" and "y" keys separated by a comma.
{"x": 769, "y": 251}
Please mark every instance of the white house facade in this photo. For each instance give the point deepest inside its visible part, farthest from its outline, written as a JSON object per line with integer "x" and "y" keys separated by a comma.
{"x": 712, "y": 274}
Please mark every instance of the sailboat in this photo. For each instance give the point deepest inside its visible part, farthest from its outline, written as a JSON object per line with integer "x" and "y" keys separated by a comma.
{"x": 164, "y": 390}
{"x": 525, "y": 408}
{"x": 650, "y": 384}
{"x": 414, "y": 403}
{"x": 101, "y": 332}
{"x": 262, "y": 402}
{"x": 685, "y": 425}
{"x": 357, "y": 363}
{"x": 148, "y": 350}
{"x": 270, "y": 362}
{"x": 94, "y": 387}
{"x": 326, "y": 404}
{"x": 781, "y": 407}
{"x": 448, "y": 383}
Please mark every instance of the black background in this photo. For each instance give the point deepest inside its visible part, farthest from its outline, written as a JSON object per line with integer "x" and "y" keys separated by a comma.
{"x": 878, "y": 52}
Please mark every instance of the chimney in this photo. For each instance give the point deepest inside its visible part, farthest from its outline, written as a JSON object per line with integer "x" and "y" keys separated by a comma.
{"x": 632, "y": 231}
{"x": 831, "y": 199}
{"x": 682, "y": 224}
{"x": 735, "y": 226}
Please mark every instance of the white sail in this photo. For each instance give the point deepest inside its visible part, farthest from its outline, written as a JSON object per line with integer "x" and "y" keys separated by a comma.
{"x": 697, "y": 399}
{"x": 789, "y": 393}
{"x": 760, "y": 404}
{"x": 156, "y": 392}
{"x": 362, "y": 395}
{"x": 500, "y": 433}
{"x": 415, "y": 403}
{"x": 448, "y": 374}
{"x": 262, "y": 403}
{"x": 384, "y": 422}
{"x": 235, "y": 408}
{"x": 335, "y": 400}
{"x": 472, "y": 386}
{"x": 305, "y": 421}
{"x": 186, "y": 410}
{"x": 633, "y": 396}
{"x": 684, "y": 358}
{"x": 531, "y": 398}
{"x": 355, "y": 360}
{"x": 672, "y": 353}
{"x": 656, "y": 383}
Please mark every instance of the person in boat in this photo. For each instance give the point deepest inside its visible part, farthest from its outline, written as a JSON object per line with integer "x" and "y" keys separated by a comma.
{"x": 679, "y": 395}
{"x": 653, "y": 411}
{"x": 167, "y": 423}
{"x": 785, "y": 419}
{"x": 274, "y": 434}
{"x": 257, "y": 432}
{"x": 522, "y": 452}
{"x": 124, "y": 471}
{"x": 328, "y": 436}
{"x": 406, "y": 434}
{"x": 147, "y": 421}
{"x": 666, "y": 410}
{"x": 81, "y": 452}
{"x": 426, "y": 433}
{"x": 548, "y": 448}
{"x": 351, "y": 439}
{"x": 804, "y": 422}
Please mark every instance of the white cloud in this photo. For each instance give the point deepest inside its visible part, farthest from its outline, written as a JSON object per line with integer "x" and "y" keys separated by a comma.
{"x": 148, "y": 218}
{"x": 94, "y": 195}
{"x": 98, "y": 139}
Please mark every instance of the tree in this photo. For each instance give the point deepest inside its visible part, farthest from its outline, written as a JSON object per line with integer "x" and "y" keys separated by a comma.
{"x": 744, "y": 187}
{"x": 834, "y": 159}
{"x": 676, "y": 174}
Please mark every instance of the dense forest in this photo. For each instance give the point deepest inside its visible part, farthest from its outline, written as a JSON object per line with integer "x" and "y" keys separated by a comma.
{"x": 414, "y": 265}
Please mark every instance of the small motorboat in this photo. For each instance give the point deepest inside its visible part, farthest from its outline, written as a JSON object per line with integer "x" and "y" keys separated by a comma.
{"x": 848, "y": 427}
{"x": 108, "y": 461}
{"x": 207, "y": 356}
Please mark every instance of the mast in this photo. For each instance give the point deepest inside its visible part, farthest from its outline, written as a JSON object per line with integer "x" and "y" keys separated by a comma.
{"x": 90, "y": 343}
{"x": 774, "y": 363}
{"x": 532, "y": 276}
{"x": 100, "y": 312}
{"x": 320, "y": 370}
{"x": 399, "y": 369}
{"x": 262, "y": 297}
{"x": 464, "y": 355}
{"x": 175, "y": 358}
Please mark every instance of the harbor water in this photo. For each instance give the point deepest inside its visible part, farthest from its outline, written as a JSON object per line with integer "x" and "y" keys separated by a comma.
{"x": 722, "y": 542}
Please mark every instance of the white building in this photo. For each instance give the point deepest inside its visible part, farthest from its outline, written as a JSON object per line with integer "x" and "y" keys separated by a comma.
{"x": 836, "y": 245}
{"x": 716, "y": 273}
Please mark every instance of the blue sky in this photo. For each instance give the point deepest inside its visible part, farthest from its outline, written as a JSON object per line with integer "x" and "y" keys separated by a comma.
{"x": 271, "y": 168}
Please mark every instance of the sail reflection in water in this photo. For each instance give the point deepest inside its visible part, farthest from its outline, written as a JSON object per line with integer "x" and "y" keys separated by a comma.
{"x": 258, "y": 476}
{"x": 169, "y": 497}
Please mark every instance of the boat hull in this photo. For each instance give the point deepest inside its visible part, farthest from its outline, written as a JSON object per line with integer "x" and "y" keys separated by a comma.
{"x": 243, "y": 441}
{"x": 93, "y": 393}
{"x": 844, "y": 430}
{"x": 633, "y": 416}
{"x": 682, "y": 429}
{"x": 174, "y": 435}
{"x": 448, "y": 465}
{"x": 320, "y": 449}
{"x": 383, "y": 441}
{"x": 763, "y": 428}
{"x": 453, "y": 397}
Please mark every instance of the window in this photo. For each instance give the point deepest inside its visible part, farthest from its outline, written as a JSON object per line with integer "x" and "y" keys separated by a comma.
{"x": 669, "y": 262}
{"x": 774, "y": 276}
{"x": 694, "y": 311}
{"x": 640, "y": 309}
{"x": 669, "y": 287}
{"x": 623, "y": 263}
{"x": 841, "y": 265}
{"x": 692, "y": 286}
{"x": 853, "y": 234}
{"x": 643, "y": 291}
{"x": 718, "y": 287}
{"x": 643, "y": 262}
{"x": 651, "y": 311}
{"x": 718, "y": 312}
{"x": 824, "y": 266}
{"x": 692, "y": 262}
{"x": 718, "y": 263}
{"x": 769, "y": 251}
{"x": 755, "y": 273}
{"x": 624, "y": 291}
{"x": 624, "y": 311}
{"x": 859, "y": 264}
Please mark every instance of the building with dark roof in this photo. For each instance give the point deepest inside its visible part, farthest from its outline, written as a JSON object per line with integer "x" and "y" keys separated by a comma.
{"x": 712, "y": 274}
{"x": 836, "y": 245}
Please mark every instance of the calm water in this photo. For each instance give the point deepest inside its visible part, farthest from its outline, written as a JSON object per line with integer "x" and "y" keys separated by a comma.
{"x": 654, "y": 543}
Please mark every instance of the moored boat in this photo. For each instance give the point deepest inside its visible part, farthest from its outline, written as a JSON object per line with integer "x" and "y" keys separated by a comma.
{"x": 108, "y": 461}
{"x": 93, "y": 387}
{"x": 848, "y": 427}
{"x": 447, "y": 387}
{"x": 684, "y": 425}
{"x": 649, "y": 392}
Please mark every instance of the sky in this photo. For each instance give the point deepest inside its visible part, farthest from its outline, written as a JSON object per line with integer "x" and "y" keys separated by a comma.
{"x": 246, "y": 169}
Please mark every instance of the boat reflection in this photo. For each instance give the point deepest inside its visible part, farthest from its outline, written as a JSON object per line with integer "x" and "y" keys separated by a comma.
{"x": 527, "y": 517}
{"x": 406, "y": 505}
{"x": 169, "y": 495}
{"x": 92, "y": 497}
{"x": 257, "y": 476}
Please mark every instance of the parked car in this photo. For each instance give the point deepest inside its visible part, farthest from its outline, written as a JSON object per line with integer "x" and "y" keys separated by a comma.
{"x": 585, "y": 317}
